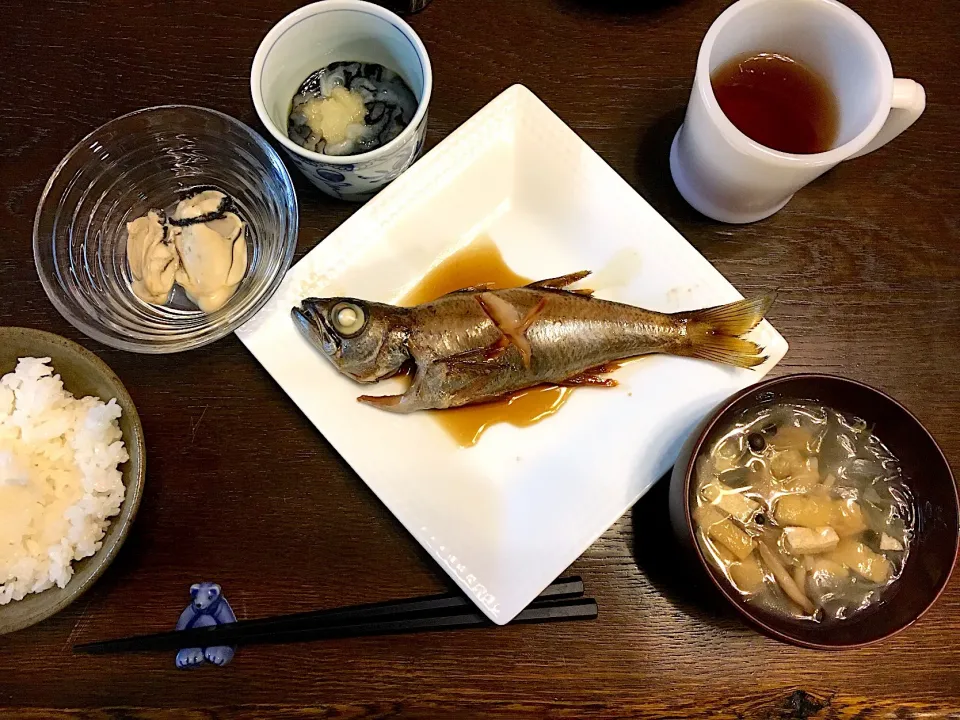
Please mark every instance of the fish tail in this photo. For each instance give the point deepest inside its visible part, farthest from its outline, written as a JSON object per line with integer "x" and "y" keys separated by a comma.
{"x": 715, "y": 333}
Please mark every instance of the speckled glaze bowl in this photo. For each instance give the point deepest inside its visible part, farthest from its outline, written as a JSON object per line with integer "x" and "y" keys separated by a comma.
{"x": 83, "y": 374}
{"x": 925, "y": 470}
{"x": 316, "y": 35}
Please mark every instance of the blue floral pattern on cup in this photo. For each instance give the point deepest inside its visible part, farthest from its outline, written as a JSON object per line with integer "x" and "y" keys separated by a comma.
{"x": 362, "y": 180}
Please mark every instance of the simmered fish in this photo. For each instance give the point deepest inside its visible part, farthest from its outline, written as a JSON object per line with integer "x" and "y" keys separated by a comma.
{"x": 477, "y": 344}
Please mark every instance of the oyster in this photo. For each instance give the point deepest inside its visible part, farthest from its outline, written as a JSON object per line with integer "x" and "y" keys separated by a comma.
{"x": 202, "y": 247}
{"x": 153, "y": 258}
{"x": 213, "y": 254}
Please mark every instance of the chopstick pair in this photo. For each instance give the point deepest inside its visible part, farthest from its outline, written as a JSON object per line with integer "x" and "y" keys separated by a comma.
{"x": 562, "y": 600}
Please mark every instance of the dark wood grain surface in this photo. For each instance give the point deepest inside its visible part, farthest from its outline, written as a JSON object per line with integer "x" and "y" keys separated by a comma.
{"x": 243, "y": 490}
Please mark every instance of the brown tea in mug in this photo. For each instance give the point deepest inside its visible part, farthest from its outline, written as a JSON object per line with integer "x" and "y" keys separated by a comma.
{"x": 778, "y": 102}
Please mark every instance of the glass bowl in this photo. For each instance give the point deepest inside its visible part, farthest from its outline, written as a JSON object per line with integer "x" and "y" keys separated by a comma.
{"x": 150, "y": 159}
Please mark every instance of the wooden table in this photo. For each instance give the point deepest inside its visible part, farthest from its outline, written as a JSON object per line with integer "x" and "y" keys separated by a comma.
{"x": 242, "y": 489}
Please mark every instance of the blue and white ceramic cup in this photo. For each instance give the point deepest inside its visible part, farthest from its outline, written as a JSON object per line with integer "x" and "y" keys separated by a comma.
{"x": 347, "y": 30}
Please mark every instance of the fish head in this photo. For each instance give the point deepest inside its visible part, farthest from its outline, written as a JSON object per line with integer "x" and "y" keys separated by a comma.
{"x": 364, "y": 340}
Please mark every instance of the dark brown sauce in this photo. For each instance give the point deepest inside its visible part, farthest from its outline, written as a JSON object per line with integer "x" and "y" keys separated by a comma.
{"x": 521, "y": 409}
{"x": 777, "y": 101}
{"x": 478, "y": 263}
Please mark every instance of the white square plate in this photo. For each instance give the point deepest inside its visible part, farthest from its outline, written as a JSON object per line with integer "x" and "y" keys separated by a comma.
{"x": 507, "y": 516}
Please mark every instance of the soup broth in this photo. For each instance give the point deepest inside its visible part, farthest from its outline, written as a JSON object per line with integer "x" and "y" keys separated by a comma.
{"x": 804, "y": 511}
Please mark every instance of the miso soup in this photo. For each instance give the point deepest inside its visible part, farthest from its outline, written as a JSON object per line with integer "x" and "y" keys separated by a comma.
{"x": 804, "y": 510}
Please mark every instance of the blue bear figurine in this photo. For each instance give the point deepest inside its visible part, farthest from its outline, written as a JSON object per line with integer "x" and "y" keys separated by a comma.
{"x": 209, "y": 607}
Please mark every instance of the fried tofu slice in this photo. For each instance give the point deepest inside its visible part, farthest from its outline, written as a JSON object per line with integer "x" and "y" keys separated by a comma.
{"x": 803, "y": 511}
{"x": 748, "y": 574}
{"x": 730, "y": 501}
{"x": 722, "y": 530}
{"x": 810, "y": 541}
{"x": 862, "y": 560}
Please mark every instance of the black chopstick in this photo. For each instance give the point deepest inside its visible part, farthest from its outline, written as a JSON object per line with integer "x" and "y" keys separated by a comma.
{"x": 536, "y": 612}
{"x": 400, "y": 615}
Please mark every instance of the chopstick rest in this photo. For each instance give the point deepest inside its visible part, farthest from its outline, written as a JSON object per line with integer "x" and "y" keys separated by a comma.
{"x": 208, "y": 608}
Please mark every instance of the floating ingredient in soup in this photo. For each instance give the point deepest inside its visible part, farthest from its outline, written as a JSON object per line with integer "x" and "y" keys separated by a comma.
{"x": 862, "y": 560}
{"x": 349, "y": 108}
{"x": 807, "y": 541}
{"x": 790, "y": 586}
{"x": 804, "y": 511}
{"x": 733, "y": 504}
{"x": 889, "y": 543}
{"x": 721, "y": 529}
{"x": 201, "y": 246}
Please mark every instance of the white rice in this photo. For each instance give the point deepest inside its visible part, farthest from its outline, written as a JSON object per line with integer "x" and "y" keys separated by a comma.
{"x": 59, "y": 481}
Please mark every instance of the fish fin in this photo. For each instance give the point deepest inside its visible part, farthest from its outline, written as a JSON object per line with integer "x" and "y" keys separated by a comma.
{"x": 532, "y": 315}
{"x": 561, "y": 283}
{"x": 519, "y": 338}
{"x": 508, "y": 321}
{"x": 488, "y": 354}
{"x": 727, "y": 350}
{"x": 591, "y": 376}
{"x": 406, "y": 403}
{"x": 714, "y": 333}
{"x": 479, "y": 287}
{"x": 381, "y": 401}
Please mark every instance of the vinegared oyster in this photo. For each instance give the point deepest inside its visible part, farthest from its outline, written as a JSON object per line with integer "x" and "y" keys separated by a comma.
{"x": 153, "y": 258}
{"x": 212, "y": 248}
{"x": 201, "y": 246}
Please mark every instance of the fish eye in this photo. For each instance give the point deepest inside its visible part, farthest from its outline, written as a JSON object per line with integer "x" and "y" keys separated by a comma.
{"x": 348, "y": 318}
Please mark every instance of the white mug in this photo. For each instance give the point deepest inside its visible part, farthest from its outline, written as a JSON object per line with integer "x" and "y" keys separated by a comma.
{"x": 728, "y": 176}
{"x": 316, "y": 35}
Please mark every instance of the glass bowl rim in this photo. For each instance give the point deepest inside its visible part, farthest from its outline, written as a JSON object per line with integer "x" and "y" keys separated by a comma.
{"x": 84, "y": 323}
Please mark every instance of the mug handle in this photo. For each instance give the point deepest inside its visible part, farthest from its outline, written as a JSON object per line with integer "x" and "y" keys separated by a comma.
{"x": 906, "y": 106}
